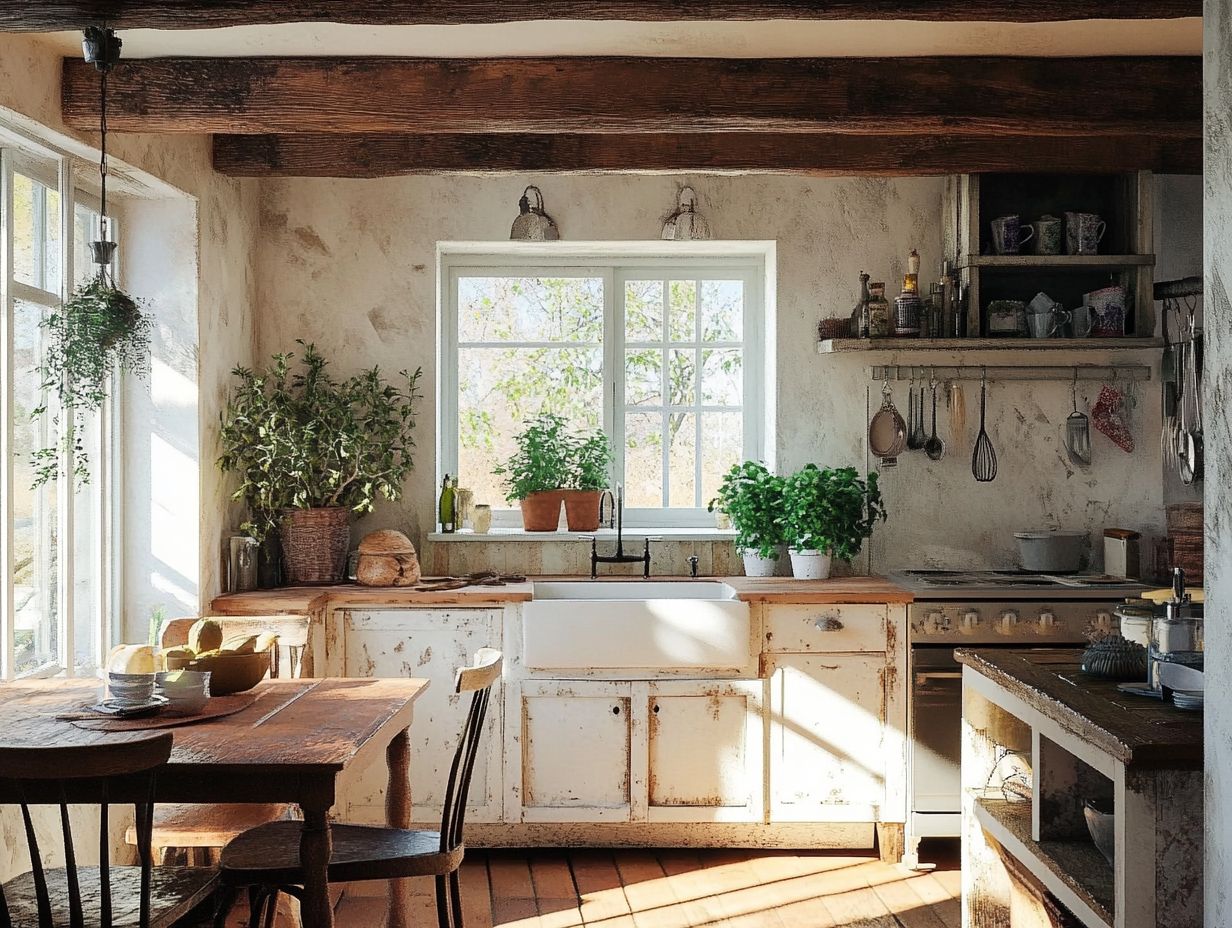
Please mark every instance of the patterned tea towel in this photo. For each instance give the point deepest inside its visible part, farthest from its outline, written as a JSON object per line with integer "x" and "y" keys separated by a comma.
{"x": 1109, "y": 417}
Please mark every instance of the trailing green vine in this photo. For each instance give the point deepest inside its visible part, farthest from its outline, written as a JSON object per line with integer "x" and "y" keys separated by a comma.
{"x": 99, "y": 333}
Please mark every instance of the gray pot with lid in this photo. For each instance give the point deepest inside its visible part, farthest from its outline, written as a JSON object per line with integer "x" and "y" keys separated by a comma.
{"x": 1053, "y": 551}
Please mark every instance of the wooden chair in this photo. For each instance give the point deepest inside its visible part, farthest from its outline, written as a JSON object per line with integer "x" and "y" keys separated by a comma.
{"x": 119, "y": 897}
{"x": 268, "y": 857}
{"x": 202, "y": 830}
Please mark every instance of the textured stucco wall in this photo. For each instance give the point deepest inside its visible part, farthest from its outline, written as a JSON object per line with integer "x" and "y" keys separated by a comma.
{"x": 1217, "y": 215}
{"x": 351, "y": 266}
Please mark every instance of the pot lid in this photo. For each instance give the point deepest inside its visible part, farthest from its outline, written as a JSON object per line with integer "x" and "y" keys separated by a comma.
{"x": 1039, "y": 534}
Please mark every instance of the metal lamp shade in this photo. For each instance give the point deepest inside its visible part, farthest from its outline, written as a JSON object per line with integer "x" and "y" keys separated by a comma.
{"x": 533, "y": 223}
{"x": 685, "y": 224}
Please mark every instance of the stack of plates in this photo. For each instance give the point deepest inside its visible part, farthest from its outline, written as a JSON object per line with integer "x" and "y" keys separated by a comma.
{"x": 1188, "y": 699}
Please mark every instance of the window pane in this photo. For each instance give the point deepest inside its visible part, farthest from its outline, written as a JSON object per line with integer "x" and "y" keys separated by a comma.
{"x": 644, "y": 311}
{"x": 36, "y": 234}
{"x": 644, "y": 377}
{"x": 85, "y": 230}
{"x": 722, "y": 446}
{"x": 722, "y": 305}
{"x": 722, "y": 377}
{"x": 33, "y": 511}
{"x": 87, "y": 584}
{"x": 682, "y": 376}
{"x": 500, "y": 389}
{"x": 683, "y": 321}
{"x": 682, "y": 460}
{"x": 644, "y": 460}
{"x": 530, "y": 309}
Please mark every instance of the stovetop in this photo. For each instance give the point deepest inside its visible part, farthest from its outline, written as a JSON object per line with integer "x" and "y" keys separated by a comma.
{"x": 1012, "y": 583}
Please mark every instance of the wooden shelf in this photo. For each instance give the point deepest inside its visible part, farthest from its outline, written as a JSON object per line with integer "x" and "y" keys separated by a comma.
{"x": 1060, "y": 262}
{"x": 1073, "y": 871}
{"x": 835, "y": 345}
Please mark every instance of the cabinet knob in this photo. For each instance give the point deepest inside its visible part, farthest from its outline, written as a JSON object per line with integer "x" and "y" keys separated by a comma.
{"x": 827, "y": 623}
{"x": 615, "y": 710}
{"x": 656, "y": 708}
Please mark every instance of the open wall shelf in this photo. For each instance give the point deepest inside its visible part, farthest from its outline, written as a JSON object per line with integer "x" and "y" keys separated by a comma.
{"x": 836, "y": 345}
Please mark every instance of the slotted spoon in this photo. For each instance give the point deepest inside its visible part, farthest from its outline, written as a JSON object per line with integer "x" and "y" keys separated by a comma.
{"x": 1078, "y": 432}
{"x": 984, "y": 456}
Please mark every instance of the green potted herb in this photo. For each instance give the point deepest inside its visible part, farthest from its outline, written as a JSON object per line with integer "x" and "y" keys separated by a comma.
{"x": 310, "y": 450}
{"x": 752, "y": 497}
{"x": 827, "y": 513}
{"x": 536, "y": 473}
{"x": 590, "y": 461}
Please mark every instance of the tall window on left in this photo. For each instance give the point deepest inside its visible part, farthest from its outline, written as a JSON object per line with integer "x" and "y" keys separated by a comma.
{"x": 55, "y": 590}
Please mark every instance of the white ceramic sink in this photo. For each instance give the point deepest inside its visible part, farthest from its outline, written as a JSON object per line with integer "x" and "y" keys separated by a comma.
{"x": 614, "y": 625}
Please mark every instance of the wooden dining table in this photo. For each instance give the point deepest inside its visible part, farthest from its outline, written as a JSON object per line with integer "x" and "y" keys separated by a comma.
{"x": 294, "y": 744}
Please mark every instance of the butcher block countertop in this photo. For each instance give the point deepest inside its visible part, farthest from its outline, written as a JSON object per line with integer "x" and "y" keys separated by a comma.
{"x": 304, "y": 599}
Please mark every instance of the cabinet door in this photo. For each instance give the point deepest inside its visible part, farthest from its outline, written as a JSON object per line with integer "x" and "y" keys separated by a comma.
{"x": 574, "y": 751}
{"x": 432, "y": 644}
{"x": 705, "y": 756}
{"x": 827, "y": 719}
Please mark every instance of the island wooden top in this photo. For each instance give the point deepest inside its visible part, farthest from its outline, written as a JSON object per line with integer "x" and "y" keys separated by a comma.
{"x": 310, "y": 599}
{"x": 1135, "y": 730}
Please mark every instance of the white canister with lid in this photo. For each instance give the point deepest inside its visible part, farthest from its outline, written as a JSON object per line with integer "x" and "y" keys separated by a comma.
{"x": 1121, "y": 557}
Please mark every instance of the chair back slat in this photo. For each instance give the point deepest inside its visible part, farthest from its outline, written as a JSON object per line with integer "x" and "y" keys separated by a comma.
{"x": 292, "y": 632}
{"x": 477, "y": 679}
{"x": 46, "y": 776}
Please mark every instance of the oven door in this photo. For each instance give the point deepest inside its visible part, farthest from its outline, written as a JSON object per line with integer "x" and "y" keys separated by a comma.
{"x": 936, "y": 739}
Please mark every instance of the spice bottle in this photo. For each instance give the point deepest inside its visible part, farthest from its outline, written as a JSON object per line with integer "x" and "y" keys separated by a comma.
{"x": 879, "y": 323}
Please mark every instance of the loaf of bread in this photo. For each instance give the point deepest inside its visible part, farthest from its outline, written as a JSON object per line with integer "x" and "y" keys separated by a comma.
{"x": 387, "y": 558}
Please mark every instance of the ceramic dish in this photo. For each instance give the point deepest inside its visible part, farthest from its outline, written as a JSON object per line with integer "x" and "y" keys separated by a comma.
{"x": 127, "y": 710}
{"x": 187, "y": 691}
{"x": 229, "y": 672}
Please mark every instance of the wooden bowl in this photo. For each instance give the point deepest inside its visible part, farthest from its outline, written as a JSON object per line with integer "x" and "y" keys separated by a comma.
{"x": 229, "y": 673}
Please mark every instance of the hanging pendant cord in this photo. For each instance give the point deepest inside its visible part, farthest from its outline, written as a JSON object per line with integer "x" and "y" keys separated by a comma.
{"x": 102, "y": 161}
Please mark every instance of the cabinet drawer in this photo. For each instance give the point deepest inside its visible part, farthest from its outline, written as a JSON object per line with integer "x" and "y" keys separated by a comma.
{"x": 824, "y": 627}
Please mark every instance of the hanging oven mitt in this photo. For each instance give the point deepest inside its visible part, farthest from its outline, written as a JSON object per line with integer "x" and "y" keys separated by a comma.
{"x": 1108, "y": 414}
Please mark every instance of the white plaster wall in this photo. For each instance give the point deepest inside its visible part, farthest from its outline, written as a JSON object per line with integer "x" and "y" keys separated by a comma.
{"x": 1217, "y": 217}
{"x": 351, "y": 266}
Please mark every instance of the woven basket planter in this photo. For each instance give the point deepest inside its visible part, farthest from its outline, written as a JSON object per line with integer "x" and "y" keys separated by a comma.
{"x": 314, "y": 544}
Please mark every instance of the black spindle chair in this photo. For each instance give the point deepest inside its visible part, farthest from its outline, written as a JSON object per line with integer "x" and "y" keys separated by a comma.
{"x": 267, "y": 857}
{"x": 116, "y": 771}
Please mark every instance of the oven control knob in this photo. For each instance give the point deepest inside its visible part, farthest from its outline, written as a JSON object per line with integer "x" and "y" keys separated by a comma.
{"x": 936, "y": 623}
{"x": 1100, "y": 626}
{"x": 1007, "y": 622}
{"x": 970, "y": 621}
{"x": 1047, "y": 623}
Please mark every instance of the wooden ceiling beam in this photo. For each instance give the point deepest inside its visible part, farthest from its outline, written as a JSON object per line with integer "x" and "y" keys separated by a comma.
{"x": 733, "y": 152}
{"x": 894, "y": 96}
{"x": 53, "y": 15}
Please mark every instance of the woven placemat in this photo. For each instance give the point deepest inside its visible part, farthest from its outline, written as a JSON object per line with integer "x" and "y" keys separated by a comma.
{"x": 218, "y": 707}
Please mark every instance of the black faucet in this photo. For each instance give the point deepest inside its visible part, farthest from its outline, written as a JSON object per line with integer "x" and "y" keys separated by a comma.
{"x": 693, "y": 566}
{"x": 616, "y": 520}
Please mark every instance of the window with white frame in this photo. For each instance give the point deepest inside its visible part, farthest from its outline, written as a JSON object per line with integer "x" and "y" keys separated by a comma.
{"x": 664, "y": 353}
{"x": 54, "y": 577}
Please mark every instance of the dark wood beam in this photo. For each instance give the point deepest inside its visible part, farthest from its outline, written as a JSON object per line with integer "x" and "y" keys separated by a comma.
{"x": 780, "y": 153}
{"x": 52, "y": 15}
{"x": 893, "y": 96}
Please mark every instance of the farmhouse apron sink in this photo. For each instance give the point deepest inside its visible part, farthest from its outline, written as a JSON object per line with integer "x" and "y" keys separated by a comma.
{"x": 637, "y": 625}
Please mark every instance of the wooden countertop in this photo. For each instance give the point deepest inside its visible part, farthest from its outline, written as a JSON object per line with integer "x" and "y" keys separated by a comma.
{"x": 305, "y": 599}
{"x": 1135, "y": 730}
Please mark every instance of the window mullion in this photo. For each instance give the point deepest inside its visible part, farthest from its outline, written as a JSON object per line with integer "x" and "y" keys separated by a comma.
{"x": 665, "y": 387}
{"x": 8, "y": 651}
{"x": 613, "y": 366}
{"x": 65, "y": 560}
{"x": 697, "y": 396}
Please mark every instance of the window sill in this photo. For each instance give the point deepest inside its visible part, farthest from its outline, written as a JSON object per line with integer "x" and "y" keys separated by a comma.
{"x": 501, "y": 535}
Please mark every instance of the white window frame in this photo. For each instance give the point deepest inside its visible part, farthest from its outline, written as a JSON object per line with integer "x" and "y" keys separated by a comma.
{"x": 22, "y": 154}
{"x": 616, "y": 263}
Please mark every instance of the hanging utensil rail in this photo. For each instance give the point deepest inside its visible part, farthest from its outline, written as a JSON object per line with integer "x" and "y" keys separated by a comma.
{"x": 1107, "y": 373}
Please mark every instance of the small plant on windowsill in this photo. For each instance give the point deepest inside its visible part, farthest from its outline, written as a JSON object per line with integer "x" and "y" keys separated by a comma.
{"x": 590, "y": 461}
{"x": 752, "y": 497}
{"x": 536, "y": 473}
{"x": 827, "y": 513}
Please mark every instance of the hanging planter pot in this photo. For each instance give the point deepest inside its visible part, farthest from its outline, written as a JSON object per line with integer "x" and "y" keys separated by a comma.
{"x": 685, "y": 224}
{"x": 533, "y": 223}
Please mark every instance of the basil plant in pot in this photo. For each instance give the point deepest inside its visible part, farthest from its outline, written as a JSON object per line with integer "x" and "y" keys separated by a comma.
{"x": 827, "y": 513}
{"x": 310, "y": 451}
{"x": 752, "y": 497}
{"x": 590, "y": 462}
{"x": 536, "y": 473}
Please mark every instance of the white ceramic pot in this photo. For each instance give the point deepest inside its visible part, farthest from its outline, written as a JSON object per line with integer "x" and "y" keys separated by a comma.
{"x": 757, "y": 566}
{"x": 810, "y": 565}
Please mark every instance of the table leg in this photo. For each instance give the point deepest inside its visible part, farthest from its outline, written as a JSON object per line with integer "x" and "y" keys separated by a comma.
{"x": 315, "y": 848}
{"x": 398, "y": 815}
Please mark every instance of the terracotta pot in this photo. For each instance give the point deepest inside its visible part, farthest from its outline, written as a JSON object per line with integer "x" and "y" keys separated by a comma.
{"x": 541, "y": 511}
{"x": 314, "y": 544}
{"x": 582, "y": 510}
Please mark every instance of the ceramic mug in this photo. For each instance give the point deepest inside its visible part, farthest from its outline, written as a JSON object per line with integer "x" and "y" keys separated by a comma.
{"x": 1009, "y": 234}
{"x": 1107, "y": 309}
{"x": 1049, "y": 323}
{"x": 1083, "y": 321}
{"x": 1083, "y": 233}
{"x": 1048, "y": 235}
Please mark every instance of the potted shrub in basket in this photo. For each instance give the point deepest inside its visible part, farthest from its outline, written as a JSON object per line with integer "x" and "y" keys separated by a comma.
{"x": 828, "y": 512}
{"x": 310, "y": 450}
{"x": 589, "y": 463}
{"x": 752, "y": 498}
{"x": 537, "y": 471}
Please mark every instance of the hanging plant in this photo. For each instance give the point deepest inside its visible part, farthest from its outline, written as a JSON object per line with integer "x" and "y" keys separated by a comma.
{"x": 99, "y": 333}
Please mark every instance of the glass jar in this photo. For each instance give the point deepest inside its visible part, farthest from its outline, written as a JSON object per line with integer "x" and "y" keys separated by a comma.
{"x": 879, "y": 323}
{"x": 908, "y": 308}
{"x": 1176, "y": 638}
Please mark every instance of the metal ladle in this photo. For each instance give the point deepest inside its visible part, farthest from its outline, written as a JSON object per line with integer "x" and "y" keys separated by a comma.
{"x": 934, "y": 447}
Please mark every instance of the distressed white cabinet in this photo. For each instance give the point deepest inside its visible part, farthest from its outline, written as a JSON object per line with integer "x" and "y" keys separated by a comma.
{"x": 573, "y": 751}
{"x": 428, "y": 643}
{"x": 827, "y": 734}
{"x": 705, "y": 756}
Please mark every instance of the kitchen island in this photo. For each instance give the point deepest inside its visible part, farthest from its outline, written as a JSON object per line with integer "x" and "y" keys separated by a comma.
{"x": 1026, "y": 844}
{"x": 795, "y": 740}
